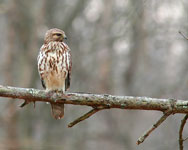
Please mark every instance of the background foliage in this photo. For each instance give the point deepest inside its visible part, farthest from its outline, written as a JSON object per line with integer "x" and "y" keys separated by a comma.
{"x": 121, "y": 47}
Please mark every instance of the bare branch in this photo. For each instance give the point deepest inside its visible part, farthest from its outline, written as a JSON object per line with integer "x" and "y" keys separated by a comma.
{"x": 99, "y": 102}
{"x": 85, "y": 116}
{"x": 181, "y": 140}
{"x": 147, "y": 133}
{"x": 95, "y": 100}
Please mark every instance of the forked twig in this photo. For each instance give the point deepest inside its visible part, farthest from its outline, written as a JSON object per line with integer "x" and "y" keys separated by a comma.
{"x": 154, "y": 126}
{"x": 181, "y": 140}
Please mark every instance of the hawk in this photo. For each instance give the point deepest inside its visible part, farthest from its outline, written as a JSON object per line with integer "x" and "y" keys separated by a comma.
{"x": 54, "y": 66}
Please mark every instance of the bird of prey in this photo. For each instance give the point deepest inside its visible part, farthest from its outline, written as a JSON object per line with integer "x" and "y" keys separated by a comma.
{"x": 54, "y": 66}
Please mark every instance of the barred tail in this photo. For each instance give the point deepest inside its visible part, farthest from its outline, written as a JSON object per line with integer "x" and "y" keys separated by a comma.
{"x": 57, "y": 110}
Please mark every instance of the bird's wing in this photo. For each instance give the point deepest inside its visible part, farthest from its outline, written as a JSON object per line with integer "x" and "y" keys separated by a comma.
{"x": 69, "y": 67}
{"x": 40, "y": 60}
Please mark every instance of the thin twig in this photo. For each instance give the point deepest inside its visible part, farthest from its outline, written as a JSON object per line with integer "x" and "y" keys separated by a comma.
{"x": 24, "y": 103}
{"x": 183, "y": 35}
{"x": 148, "y": 132}
{"x": 183, "y": 121}
{"x": 85, "y": 116}
{"x": 27, "y": 102}
{"x": 185, "y": 139}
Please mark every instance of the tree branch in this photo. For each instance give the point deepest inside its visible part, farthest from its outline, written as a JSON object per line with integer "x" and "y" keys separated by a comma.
{"x": 85, "y": 116}
{"x": 181, "y": 140}
{"x": 99, "y": 102}
{"x": 154, "y": 126}
{"x": 96, "y": 100}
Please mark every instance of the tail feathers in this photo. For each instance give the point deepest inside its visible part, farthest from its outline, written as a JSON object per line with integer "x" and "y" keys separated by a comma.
{"x": 57, "y": 110}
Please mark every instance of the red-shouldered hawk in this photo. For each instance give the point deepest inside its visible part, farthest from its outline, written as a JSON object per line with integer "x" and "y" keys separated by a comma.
{"x": 54, "y": 66}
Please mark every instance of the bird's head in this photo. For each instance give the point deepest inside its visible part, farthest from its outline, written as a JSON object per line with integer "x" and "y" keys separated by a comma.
{"x": 53, "y": 35}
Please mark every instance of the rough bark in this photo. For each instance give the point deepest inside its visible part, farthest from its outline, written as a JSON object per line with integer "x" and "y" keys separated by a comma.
{"x": 96, "y": 100}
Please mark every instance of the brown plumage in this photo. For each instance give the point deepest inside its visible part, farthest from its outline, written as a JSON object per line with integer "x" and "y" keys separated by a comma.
{"x": 54, "y": 66}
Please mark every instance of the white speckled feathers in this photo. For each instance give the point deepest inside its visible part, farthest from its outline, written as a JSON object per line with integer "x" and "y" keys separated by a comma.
{"x": 54, "y": 65}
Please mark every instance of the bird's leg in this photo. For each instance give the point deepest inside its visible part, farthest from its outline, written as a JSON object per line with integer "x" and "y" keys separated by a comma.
{"x": 63, "y": 95}
{"x": 51, "y": 93}
{"x": 59, "y": 93}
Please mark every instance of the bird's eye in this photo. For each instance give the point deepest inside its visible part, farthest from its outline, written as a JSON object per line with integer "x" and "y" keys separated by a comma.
{"x": 58, "y": 34}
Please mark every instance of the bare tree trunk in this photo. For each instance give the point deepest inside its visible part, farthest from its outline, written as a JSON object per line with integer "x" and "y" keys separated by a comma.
{"x": 138, "y": 46}
{"x": 106, "y": 52}
{"x": 21, "y": 57}
{"x": 12, "y": 141}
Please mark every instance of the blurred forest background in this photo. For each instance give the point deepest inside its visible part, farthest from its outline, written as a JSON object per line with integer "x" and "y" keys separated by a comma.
{"x": 121, "y": 47}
